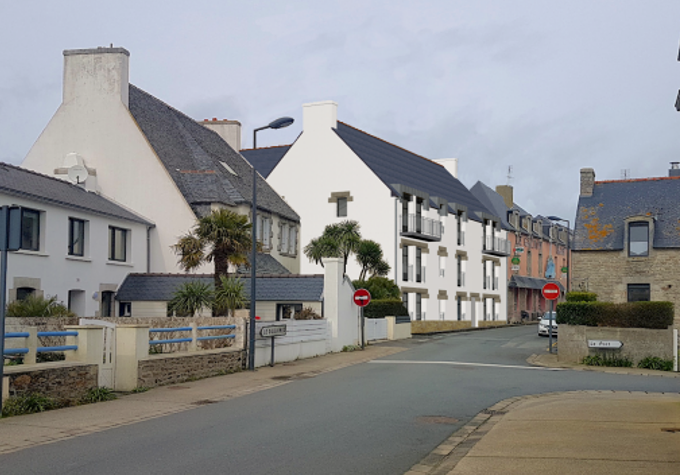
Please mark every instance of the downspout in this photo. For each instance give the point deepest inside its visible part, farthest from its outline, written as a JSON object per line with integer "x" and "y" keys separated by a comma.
{"x": 148, "y": 249}
{"x": 396, "y": 241}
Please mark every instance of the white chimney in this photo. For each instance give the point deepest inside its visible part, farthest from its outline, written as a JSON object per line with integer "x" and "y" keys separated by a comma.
{"x": 319, "y": 116}
{"x": 98, "y": 73}
{"x": 451, "y": 165}
{"x": 229, "y": 130}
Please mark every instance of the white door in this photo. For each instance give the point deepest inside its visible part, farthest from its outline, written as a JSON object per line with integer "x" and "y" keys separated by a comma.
{"x": 107, "y": 367}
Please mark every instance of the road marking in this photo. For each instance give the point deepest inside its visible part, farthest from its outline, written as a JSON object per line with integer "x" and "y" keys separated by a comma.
{"x": 460, "y": 363}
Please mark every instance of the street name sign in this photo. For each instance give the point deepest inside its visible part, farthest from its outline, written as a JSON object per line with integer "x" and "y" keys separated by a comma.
{"x": 362, "y": 297}
{"x": 613, "y": 344}
{"x": 273, "y": 330}
{"x": 551, "y": 291}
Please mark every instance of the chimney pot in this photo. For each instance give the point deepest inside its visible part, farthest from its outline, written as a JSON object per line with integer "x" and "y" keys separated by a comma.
{"x": 587, "y": 181}
{"x": 675, "y": 169}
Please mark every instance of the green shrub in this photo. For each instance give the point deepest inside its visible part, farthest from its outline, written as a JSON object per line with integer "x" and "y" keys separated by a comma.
{"x": 385, "y": 308}
{"x": 28, "y": 404}
{"x": 656, "y": 315}
{"x": 98, "y": 395}
{"x": 581, "y": 297}
{"x": 380, "y": 288}
{"x": 38, "y": 306}
{"x": 307, "y": 313}
{"x": 654, "y": 362}
{"x": 615, "y": 361}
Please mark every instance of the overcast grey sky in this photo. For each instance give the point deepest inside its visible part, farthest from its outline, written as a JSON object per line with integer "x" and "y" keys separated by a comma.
{"x": 543, "y": 85}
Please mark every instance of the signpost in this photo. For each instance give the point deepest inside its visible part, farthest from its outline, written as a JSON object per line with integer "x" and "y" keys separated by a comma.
{"x": 272, "y": 331}
{"x": 551, "y": 291}
{"x": 610, "y": 344}
{"x": 362, "y": 297}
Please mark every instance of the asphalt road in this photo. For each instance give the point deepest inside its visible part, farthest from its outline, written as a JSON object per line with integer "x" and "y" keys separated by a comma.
{"x": 380, "y": 417}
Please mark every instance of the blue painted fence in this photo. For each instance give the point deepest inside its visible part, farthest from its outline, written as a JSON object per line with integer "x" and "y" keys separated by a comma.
{"x": 44, "y": 349}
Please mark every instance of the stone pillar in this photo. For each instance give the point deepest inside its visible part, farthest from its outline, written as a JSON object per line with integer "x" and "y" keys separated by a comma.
{"x": 587, "y": 181}
{"x": 132, "y": 345}
{"x": 90, "y": 342}
{"x": 32, "y": 345}
{"x": 193, "y": 346}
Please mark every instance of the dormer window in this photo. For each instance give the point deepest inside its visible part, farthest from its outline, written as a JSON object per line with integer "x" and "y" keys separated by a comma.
{"x": 638, "y": 239}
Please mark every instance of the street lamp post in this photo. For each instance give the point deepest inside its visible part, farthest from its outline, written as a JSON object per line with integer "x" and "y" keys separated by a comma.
{"x": 277, "y": 124}
{"x": 556, "y": 218}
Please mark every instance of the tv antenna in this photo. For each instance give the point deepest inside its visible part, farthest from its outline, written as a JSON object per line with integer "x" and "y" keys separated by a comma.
{"x": 625, "y": 173}
{"x": 509, "y": 174}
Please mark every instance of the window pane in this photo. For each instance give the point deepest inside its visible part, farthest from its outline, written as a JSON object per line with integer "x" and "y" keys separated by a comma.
{"x": 293, "y": 240}
{"x": 638, "y": 292}
{"x": 638, "y": 239}
{"x": 117, "y": 244}
{"x": 76, "y": 237}
{"x": 342, "y": 207}
{"x": 30, "y": 230}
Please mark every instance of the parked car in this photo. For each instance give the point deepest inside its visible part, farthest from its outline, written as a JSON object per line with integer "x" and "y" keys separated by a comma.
{"x": 544, "y": 324}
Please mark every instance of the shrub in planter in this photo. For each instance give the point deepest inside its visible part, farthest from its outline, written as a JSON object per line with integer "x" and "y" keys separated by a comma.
{"x": 654, "y": 362}
{"x": 385, "y": 308}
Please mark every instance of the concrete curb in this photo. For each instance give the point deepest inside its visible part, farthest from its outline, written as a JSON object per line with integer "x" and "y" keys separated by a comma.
{"x": 444, "y": 458}
{"x": 545, "y": 362}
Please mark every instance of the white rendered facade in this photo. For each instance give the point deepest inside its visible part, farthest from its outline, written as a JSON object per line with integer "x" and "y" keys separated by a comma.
{"x": 321, "y": 168}
{"x": 83, "y": 283}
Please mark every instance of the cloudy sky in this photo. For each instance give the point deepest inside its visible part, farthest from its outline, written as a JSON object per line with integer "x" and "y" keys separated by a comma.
{"x": 544, "y": 86}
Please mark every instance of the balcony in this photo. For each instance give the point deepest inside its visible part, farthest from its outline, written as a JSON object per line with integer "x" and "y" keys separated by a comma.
{"x": 421, "y": 228}
{"x": 496, "y": 246}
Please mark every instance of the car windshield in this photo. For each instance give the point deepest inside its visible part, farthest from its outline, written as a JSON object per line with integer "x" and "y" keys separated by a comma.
{"x": 546, "y": 316}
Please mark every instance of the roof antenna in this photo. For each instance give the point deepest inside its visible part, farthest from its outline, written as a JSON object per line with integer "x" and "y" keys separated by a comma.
{"x": 625, "y": 173}
{"x": 509, "y": 174}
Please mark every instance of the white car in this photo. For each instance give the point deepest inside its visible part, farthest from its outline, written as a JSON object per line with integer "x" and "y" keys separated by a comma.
{"x": 544, "y": 324}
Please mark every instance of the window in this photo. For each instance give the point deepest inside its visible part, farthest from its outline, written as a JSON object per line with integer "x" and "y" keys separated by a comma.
{"x": 419, "y": 214}
{"x": 540, "y": 264}
{"x": 442, "y": 309}
{"x": 404, "y": 299}
{"x": 263, "y": 231}
{"x": 404, "y": 213}
{"x": 459, "y": 307}
{"x": 638, "y": 293}
{"x": 292, "y": 240}
{"x": 24, "y": 292}
{"x": 284, "y": 238}
{"x": 459, "y": 270}
{"x": 529, "y": 263}
{"x": 419, "y": 262}
{"x": 107, "y": 303}
{"x": 30, "y": 229}
{"x": 76, "y": 237}
{"x": 419, "y": 305}
{"x": 638, "y": 239}
{"x": 117, "y": 244}
{"x": 404, "y": 263}
{"x": 287, "y": 311}
{"x": 342, "y": 207}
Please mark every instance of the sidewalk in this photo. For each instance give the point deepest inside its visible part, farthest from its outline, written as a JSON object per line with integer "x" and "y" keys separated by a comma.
{"x": 603, "y": 432}
{"x": 21, "y": 432}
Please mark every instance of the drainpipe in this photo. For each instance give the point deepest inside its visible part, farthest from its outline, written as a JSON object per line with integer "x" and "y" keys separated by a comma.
{"x": 148, "y": 249}
{"x": 396, "y": 241}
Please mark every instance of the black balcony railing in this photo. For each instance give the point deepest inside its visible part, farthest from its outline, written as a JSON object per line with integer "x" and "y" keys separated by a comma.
{"x": 420, "y": 227}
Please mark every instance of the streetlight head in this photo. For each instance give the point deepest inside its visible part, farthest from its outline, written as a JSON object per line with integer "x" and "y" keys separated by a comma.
{"x": 554, "y": 218}
{"x": 281, "y": 122}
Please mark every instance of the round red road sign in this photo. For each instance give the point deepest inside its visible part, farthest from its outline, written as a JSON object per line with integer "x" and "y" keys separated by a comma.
{"x": 362, "y": 297}
{"x": 551, "y": 291}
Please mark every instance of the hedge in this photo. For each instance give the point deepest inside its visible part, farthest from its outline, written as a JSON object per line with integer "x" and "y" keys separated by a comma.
{"x": 581, "y": 297}
{"x": 657, "y": 315}
{"x": 385, "y": 308}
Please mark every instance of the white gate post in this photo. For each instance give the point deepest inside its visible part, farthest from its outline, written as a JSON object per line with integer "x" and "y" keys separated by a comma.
{"x": 132, "y": 345}
{"x": 90, "y": 343}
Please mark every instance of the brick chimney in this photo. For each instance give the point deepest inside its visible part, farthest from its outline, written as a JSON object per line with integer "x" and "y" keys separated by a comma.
{"x": 587, "y": 181}
{"x": 320, "y": 116}
{"x": 507, "y": 192}
{"x": 96, "y": 74}
{"x": 229, "y": 130}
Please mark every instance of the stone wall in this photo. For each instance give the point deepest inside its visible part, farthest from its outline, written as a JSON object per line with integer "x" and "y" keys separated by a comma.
{"x": 608, "y": 273}
{"x": 638, "y": 343}
{"x": 66, "y": 382}
{"x": 438, "y": 326}
{"x": 159, "y": 370}
{"x": 491, "y": 323}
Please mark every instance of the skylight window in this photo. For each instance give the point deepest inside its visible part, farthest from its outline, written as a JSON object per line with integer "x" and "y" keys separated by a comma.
{"x": 229, "y": 169}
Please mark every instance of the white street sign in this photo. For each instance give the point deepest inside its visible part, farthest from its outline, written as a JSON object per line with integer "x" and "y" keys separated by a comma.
{"x": 612, "y": 344}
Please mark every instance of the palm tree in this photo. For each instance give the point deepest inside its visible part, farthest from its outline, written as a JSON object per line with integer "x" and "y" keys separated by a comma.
{"x": 369, "y": 255}
{"x": 190, "y": 298}
{"x": 347, "y": 236}
{"x": 230, "y": 295}
{"x": 222, "y": 237}
{"x": 318, "y": 248}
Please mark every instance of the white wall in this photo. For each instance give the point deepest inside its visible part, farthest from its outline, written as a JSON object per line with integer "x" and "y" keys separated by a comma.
{"x": 58, "y": 272}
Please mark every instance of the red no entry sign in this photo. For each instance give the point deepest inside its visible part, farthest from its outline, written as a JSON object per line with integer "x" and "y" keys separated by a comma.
{"x": 551, "y": 291}
{"x": 362, "y": 297}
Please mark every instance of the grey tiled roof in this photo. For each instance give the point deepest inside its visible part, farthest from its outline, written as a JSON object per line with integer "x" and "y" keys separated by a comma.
{"x": 600, "y": 218}
{"x": 266, "y": 264}
{"x": 265, "y": 159}
{"x": 494, "y": 202}
{"x": 273, "y": 288}
{"x": 395, "y": 165}
{"x": 19, "y": 182}
{"x": 192, "y": 154}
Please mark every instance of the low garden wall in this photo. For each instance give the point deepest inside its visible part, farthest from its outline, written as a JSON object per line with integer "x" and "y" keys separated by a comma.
{"x": 638, "y": 343}
{"x": 491, "y": 323}
{"x": 65, "y": 382}
{"x": 438, "y": 326}
{"x": 159, "y": 370}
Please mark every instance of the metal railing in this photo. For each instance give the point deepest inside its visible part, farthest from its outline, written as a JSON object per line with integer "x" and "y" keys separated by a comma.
{"x": 190, "y": 329}
{"x": 40, "y": 349}
{"x": 424, "y": 227}
{"x": 461, "y": 279}
{"x": 496, "y": 245}
{"x": 461, "y": 238}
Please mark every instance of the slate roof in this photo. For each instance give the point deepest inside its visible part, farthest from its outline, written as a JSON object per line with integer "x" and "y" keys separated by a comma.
{"x": 600, "y": 218}
{"x": 194, "y": 157}
{"x": 265, "y": 159}
{"x": 275, "y": 288}
{"x": 395, "y": 165}
{"x": 494, "y": 202}
{"x": 266, "y": 264}
{"x": 23, "y": 183}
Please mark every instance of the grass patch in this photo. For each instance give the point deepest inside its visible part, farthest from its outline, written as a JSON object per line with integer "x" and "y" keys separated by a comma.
{"x": 98, "y": 395}
{"x": 28, "y": 404}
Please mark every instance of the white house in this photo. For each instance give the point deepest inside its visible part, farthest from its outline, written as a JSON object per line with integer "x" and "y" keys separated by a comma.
{"x": 447, "y": 251}
{"x": 75, "y": 244}
{"x": 152, "y": 158}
